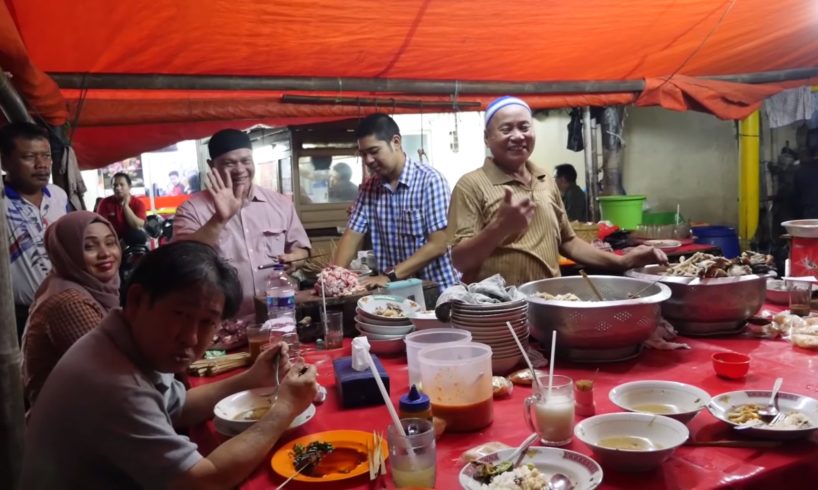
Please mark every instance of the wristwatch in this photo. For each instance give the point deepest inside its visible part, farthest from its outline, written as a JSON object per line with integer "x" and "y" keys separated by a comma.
{"x": 391, "y": 275}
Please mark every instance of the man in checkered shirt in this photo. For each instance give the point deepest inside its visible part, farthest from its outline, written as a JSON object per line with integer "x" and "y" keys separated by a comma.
{"x": 403, "y": 205}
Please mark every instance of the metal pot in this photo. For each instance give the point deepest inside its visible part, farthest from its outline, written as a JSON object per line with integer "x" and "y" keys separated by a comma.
{"x": 708, "y": 306}
{"x": 595, "y": 331}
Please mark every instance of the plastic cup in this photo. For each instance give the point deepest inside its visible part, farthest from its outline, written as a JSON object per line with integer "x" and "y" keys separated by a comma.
{"x": 416, "y": 341}
{"x": 457, "y": 379}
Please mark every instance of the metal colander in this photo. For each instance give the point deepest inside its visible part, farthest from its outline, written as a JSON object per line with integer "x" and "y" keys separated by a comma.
{"x": 591, "y": 330}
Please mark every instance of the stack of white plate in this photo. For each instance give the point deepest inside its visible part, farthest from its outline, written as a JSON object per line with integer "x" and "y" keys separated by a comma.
{"x": 487, "y": 324}
{"x": 384, "y": 320}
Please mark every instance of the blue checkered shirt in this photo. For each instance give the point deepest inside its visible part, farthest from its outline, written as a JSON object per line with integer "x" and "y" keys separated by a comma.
{"x": 401, "y": 221}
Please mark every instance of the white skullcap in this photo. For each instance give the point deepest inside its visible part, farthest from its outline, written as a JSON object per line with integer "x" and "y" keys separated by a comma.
{"x": 501, "y": 102}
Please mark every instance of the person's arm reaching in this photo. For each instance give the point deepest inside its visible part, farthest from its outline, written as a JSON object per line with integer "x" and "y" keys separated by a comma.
{"x": 347, "y": 247}
{"x": 586, "y": 254}
{"x": 233, "y": 461}
{"x": 199, "y": 401}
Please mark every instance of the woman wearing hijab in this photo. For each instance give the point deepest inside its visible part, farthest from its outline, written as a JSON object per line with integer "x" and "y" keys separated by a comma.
{"x": 81, "y": 288}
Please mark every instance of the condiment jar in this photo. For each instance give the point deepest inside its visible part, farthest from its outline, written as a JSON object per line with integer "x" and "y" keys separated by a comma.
{"x": 415, "y": 405}
{"x": 584, "y": 397}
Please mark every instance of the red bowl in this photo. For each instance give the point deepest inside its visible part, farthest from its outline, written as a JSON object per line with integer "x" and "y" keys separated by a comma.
{"x": 731, "y": 365}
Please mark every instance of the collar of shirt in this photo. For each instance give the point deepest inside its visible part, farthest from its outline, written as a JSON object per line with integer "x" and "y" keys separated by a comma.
{"x": 11, "y": 193}
{"x": 497, "y": 176}
{"x": 117, "y": 329}
{"x": 407, "y": 175}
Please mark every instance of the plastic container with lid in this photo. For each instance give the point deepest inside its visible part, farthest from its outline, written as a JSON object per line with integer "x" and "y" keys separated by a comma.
{"x": 416, "y": 341}
{"x": 457, "y": 379}
{"x": 415, "y": 405}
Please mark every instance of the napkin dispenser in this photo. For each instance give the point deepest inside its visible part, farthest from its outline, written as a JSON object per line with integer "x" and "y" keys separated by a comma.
{"x": 358, "y": 388}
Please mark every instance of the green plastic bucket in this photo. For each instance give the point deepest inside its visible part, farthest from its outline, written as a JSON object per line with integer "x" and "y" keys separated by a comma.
{"x": 623, "y": 211}
{"x": 661, "y": 218}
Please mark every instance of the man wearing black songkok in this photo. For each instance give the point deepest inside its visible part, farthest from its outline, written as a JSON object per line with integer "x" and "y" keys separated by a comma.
{"x": 247, "y": 224}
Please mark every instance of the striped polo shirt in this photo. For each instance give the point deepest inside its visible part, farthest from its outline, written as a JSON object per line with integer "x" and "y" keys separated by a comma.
{"x": 530, "y": 256}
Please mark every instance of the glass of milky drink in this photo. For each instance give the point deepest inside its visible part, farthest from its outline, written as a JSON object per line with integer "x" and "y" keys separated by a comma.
{"x": 550, "y": 413}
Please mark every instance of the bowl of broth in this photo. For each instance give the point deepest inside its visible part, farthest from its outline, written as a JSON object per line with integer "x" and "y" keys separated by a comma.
{"x": 235, "y": 413}
{"x": 672, "y": 399}
{"x": 631, "y": 441}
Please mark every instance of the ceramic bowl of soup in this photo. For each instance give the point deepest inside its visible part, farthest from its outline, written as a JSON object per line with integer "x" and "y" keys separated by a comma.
{"x": 235, "y": 413}
{"x": 631, "y": 441}
{"x": 679, "y": 401}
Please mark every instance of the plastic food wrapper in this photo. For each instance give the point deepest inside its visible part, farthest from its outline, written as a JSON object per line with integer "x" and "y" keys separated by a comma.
{"x": 502, "y": 386}
{"x": 801, "y": 332}
{"x": 482, "y": 450}
{"x": 523, "y": 376}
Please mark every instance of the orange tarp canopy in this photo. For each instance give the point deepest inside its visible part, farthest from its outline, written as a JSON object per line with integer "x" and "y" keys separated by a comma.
{"x": 670, "y": 45}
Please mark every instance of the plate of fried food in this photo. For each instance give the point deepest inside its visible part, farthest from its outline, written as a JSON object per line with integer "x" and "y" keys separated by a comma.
{"x": 740, "y": 409}
{"x": 326, "y": 456}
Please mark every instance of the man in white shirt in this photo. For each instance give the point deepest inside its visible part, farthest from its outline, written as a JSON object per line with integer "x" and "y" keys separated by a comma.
{"x": 31, "y": 204}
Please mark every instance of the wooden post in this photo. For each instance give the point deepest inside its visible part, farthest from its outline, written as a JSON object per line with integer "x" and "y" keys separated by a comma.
{"x": 12, "y": 411}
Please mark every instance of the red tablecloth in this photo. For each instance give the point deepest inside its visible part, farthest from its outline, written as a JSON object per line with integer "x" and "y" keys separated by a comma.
{"x": 793, "y": 466}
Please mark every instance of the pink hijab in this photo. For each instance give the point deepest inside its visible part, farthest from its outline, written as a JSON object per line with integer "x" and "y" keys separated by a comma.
{"x": 64, "y": 242}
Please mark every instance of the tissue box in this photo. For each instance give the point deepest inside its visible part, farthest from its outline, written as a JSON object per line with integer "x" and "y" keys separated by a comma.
{"x": 358, "y": 388}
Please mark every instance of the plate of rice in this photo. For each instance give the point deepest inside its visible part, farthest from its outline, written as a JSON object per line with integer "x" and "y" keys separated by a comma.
{"x": 536, "y": 469}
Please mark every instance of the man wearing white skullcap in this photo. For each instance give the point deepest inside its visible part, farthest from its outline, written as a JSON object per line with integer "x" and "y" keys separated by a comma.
{"x": 507, "y": 217}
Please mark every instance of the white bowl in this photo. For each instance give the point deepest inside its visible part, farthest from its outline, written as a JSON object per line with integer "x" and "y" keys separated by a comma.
{"x": 384, "y": 329}
{"x": 230, "y": 407}
{"x": 387, "y": 347}
{"x": 368, "y": 305}
{"x": 660, "y": 436}
{"x": 502, "y": 365}
{"x": 720, "y": 405}
{"x": 675, "y": 400}
{"x": 427, "y": 319}
{"x": 379, "y": 336}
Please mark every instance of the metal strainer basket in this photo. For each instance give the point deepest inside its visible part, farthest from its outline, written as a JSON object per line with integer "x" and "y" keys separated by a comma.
{"x": 589, "y": 330}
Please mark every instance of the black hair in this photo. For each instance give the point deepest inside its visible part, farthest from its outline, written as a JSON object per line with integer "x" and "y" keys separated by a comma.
{"x": 343, "y": 170}
{"x": 379, "y": 124}
{"x": 173, "y": 172}
{"x": 180, "y": 265}
{"x": 567, "y": 171}
{"x": 19, "y": 130}
{"x": 124, "y": 176}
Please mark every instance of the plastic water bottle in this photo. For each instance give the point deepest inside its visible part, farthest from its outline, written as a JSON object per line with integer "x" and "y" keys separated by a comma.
{"x": 280, "y": 296}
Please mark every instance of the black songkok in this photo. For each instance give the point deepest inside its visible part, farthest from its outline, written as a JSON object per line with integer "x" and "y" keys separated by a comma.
{"x": 227, "y": 140}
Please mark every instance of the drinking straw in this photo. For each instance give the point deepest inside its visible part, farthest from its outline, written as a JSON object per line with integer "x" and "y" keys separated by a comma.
{"x": 324, "y": 304}
{"x": 551, "y": 361}
{"x": 525, "y": 356}
{"x": 388, "y": 402}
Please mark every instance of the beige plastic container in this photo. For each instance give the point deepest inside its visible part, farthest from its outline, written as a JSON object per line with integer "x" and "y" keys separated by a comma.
{"x": 416, "y": 341}
{"x": 457, "y": 379}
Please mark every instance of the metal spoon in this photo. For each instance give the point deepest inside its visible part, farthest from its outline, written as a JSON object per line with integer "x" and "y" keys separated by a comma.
{"x": 560, "y": 482}
{"x": 519, "y": 453}
{"x": 771, "y": 410}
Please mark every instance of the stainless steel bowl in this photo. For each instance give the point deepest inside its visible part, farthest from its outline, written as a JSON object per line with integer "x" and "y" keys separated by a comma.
{"x": 806, "y": 228}
{"x": 595, "y": 331}
{"x": 702, "y": 307}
